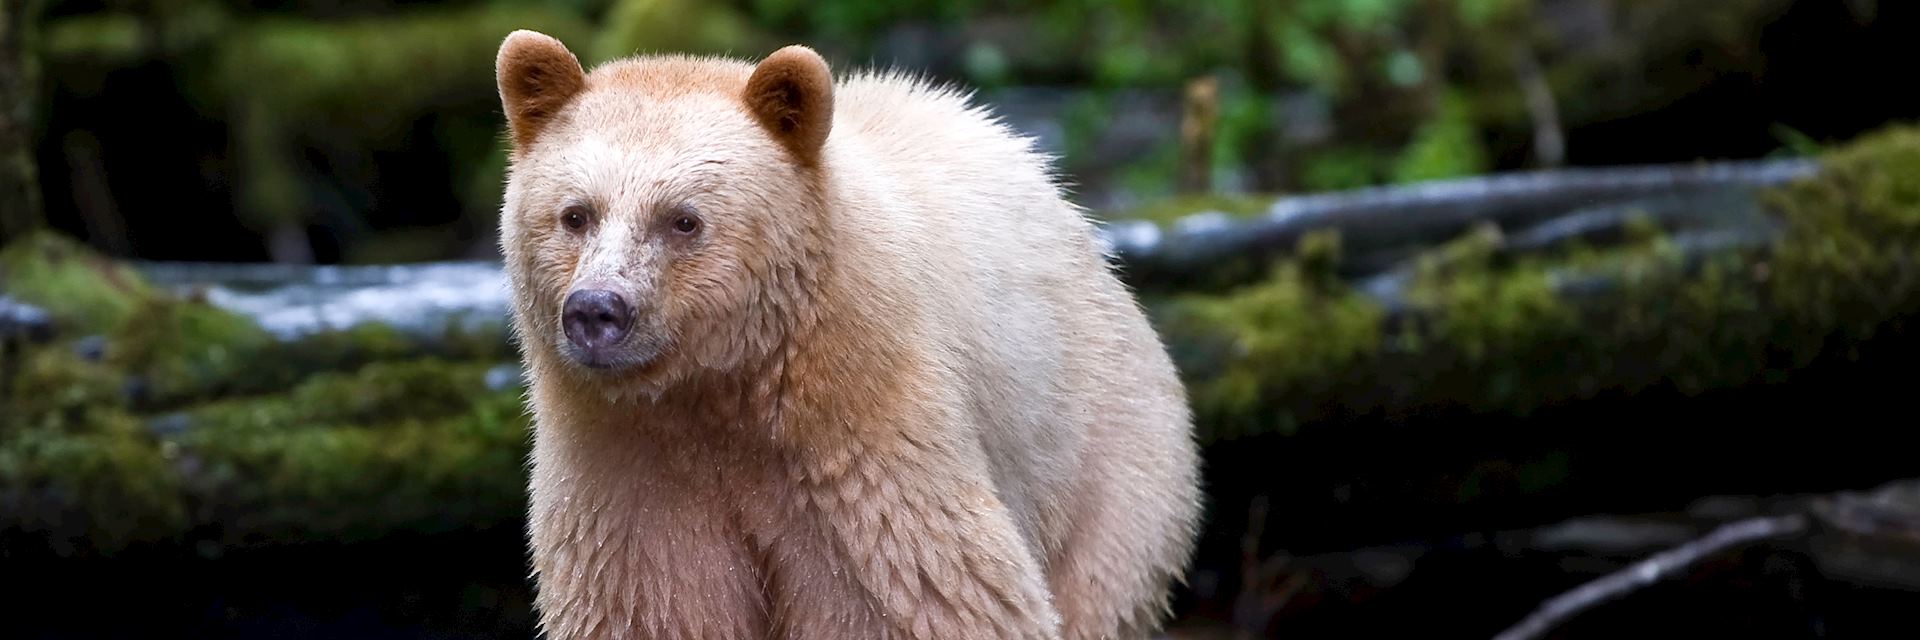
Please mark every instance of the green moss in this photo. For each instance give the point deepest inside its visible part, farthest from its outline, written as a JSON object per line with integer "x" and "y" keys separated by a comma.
{"x": 55, "y": 391}
{"x": 1478, "y": 308}
{"x": 419, "y": 446}
{"x": 184, "y": 349}
{"x": 178, "y": 347}
{"x": 74, "y": 464}
{"x": 1847, "y": 253}
{"x": 1167, "y": 210}
{"x": 82, "y": 290}
{"x": 1290, "y": 331}
{"x": 393, "y": 444}
{"x": 379, "y": 392}
{"x": 240, "y": 360}
{"x": 90, "y": 493}
{"x": 1491, "y": 334}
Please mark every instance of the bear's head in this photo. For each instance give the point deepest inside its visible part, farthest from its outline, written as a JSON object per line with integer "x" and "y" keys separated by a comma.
{"x": 663, "y": 216}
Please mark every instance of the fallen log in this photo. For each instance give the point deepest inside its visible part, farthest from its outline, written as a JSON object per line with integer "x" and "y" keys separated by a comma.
{"x": 1381, "y": 219}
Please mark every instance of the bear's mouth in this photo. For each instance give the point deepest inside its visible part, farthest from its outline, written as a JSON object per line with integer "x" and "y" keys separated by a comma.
{"x": 628, "y": 355}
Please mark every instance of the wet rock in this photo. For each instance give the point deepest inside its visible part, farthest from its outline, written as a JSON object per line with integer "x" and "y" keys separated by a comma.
{"x": 421, "y": 300}
{"x": 19, "y": 320}
{"x": 1607, "y": 535}
{"x": 136, "y": 390}
{"x": 1384, "y": 567}
{"x": 91, "y": 348}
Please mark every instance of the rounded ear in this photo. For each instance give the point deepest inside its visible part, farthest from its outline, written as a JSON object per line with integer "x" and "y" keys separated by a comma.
{"x": 537, "y": 76}
{"x": 791, "y": 94}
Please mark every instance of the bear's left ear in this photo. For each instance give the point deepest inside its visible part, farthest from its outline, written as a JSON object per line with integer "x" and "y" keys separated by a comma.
{"x": 791, "y": 94}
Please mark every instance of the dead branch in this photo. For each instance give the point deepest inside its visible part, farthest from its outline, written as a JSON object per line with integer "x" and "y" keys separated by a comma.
{"x": 1549, "y": 138}
{"x": 1266, "y": 585}
{"x": 1381, "y": 218}
{"x": 1651, "y": 570}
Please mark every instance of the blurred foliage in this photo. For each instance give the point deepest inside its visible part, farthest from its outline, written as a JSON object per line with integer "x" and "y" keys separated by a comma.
{"x": 366, "y": 80}
{"x": 1446, "y": 146}
{"x": 310, "y": 99}
{"x": 190, "y": 426}
{"x": 20, "y": 77}
{"x": 676, "y": 26}
{"x": 326, "y": 103}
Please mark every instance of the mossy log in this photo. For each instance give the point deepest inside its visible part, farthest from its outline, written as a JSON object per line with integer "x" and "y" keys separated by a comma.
{"x": 1380, "y": 225}
{"x": 154, "y": 417}
{"x": 1505, "y": 334}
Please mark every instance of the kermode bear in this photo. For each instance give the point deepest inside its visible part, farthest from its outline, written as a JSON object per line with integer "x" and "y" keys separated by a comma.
{"x": 819, "y": 359}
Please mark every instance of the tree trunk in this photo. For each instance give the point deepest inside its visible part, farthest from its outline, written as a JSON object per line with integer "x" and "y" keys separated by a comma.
{"x": 19, "y": 95}
{"x": 1199, "y": 112}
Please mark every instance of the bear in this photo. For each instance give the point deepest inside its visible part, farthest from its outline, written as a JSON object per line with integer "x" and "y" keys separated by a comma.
{"x": 824, "y": 358}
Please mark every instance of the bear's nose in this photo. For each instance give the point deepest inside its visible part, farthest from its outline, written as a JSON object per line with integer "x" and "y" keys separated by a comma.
{"x": 594, "y": 319}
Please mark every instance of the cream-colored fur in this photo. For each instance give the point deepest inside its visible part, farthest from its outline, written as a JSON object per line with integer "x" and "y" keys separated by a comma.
{"x": 890, "y": 389}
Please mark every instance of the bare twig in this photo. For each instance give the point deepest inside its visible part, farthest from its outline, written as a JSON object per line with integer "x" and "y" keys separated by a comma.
{"x": 1646, "y": 572}
{"x": 1549, "y": 140}
{"x": 1266, "y": 585}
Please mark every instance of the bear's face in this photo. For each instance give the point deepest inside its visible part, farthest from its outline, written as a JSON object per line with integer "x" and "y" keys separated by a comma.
{"x": 655, "y": 217}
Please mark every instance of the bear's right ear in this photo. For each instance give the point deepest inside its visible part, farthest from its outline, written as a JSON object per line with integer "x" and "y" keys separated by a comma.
{"x": 537, "y": 76}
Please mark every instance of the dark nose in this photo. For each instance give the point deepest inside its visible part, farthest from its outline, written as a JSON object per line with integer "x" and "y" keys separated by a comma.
{"x": 594, "y": 319}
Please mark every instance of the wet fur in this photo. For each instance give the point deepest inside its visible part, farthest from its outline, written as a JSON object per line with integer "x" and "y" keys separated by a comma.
{"x": 892, "y": 390}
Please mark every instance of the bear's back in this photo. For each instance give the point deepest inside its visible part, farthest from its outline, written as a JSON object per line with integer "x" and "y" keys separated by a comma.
{"x": 1078, "y": 407}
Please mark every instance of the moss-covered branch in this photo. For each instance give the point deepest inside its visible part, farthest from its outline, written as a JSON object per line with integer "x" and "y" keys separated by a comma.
{"x": 1163, "y": 250}
{"x": 1494, "y": 333}
{"x": 155, "y": 416}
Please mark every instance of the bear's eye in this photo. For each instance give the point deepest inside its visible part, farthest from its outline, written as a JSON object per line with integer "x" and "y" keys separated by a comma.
{"x": 575, "y": 218}
{"x": 686, "y": 221}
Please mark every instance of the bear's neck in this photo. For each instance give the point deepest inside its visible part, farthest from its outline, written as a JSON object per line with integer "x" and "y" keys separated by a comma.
{"x": 635, "y": 516}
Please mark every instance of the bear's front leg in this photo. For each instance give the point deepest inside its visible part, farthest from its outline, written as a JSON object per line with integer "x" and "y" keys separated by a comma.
{"x": 915, "y": 528}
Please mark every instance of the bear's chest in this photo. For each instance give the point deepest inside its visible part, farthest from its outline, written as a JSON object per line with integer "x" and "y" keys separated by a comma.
{"x": 649, "y": 553}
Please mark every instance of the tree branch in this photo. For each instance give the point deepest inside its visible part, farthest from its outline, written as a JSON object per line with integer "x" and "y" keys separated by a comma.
{"x": 1564, "y": 607}
{"x": 1419, "y": 215}
{"x": 1549, "y": 138}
